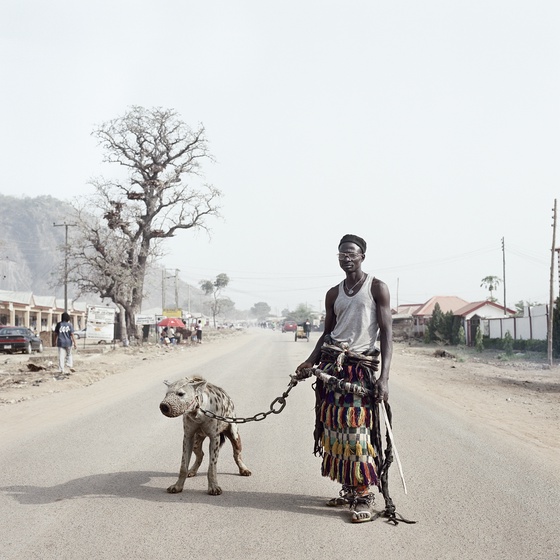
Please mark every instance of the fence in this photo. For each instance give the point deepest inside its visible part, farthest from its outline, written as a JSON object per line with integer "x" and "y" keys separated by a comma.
{"x": 533, "y": 325}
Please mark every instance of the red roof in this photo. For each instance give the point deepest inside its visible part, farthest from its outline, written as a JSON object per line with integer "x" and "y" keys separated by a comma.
{"x": 446, "y": 303}
{"x": 471, "y": 307}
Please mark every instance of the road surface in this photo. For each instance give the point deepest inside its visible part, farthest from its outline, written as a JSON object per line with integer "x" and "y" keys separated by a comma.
{"x": 83, "y": 474}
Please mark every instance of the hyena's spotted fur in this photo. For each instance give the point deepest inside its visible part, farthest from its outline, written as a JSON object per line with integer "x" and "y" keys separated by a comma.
{"x": 186, "y": 397}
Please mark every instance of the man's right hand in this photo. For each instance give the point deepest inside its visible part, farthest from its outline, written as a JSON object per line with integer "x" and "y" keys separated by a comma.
{"x": 303, "y": 371}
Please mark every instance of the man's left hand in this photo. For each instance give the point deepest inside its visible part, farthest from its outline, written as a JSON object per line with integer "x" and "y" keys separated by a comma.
{"x": 381, "y": 390}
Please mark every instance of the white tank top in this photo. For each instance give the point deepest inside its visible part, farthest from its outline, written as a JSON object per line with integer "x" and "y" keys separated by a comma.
{"x": 356, "y": 318}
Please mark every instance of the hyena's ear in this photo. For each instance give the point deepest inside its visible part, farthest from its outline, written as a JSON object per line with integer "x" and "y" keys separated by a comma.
{"x": 168, "y": 383}
{"x": 199, "y": 386}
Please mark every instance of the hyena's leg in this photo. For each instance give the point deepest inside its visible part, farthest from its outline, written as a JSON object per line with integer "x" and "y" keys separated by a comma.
{"x": 213, "y": 488}
{"x": 188, "y": 441}
{"x": 233, "y": 436}
{"x": 198, "y": 453}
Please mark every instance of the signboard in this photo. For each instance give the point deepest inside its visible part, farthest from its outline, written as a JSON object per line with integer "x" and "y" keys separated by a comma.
{"x": 104, "y": 315}
{"x": 172, "y": 312}
{"x": 100, "y": 323}
{"x": 145, "y": 319}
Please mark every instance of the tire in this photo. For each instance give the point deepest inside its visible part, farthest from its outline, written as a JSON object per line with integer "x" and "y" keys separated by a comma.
{"x": 296, "y": 337}
{"x": 40, "y": 349}
{"x": 28, "y": 348}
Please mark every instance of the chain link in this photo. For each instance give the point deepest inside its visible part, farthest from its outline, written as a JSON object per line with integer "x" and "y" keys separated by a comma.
{"x": 276, "y": 407}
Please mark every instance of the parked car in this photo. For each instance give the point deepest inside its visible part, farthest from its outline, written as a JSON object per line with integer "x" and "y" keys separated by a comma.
{"x": 80, "y": 334}
{"x": 19, "y": 339}
{"x": 289, "y": 326}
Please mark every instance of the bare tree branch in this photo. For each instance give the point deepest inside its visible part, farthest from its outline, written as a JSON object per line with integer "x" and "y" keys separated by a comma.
{"x": 122, "y": 224}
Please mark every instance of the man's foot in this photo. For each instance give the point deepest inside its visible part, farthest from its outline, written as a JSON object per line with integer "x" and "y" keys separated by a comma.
{"x": 345, "y": 497}
{"x": 336, "y": 502}
{"x": 362, "y": 508}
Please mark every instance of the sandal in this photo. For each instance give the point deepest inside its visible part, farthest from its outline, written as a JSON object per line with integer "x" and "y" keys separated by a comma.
{"x": 362, "y": 509}
{"x": 336, "y": 502}
{"x": 345, "y": 497}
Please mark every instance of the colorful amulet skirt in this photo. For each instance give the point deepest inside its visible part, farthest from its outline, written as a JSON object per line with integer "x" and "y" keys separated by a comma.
{"x": 345, "y": 422}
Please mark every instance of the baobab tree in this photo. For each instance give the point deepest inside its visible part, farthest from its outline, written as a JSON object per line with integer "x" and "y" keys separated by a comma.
{"x": 123, "y": 224}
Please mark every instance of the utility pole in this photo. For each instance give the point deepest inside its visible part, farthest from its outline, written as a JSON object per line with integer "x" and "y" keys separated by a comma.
{"x": 176, "y": 288}
{"x": 66, "y": 226}
{"x": 162, "y": 290}
{"x": 504, "y": 271}
{"x": 164, "y": 277}
{"x": 551, "y": 301}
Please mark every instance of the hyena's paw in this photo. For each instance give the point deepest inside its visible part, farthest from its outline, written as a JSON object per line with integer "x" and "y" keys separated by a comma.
{"x": 214, "y": 490}
{"x": 175, "y": 489}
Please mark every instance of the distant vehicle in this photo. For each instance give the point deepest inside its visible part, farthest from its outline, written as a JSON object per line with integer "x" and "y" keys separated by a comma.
{"x": 93, "y": 337}
{"x": 300, "y": 333}
{"x": 19, "y": 339}
{"x": 80, "y": 334}
{"x": 289, "y": 326}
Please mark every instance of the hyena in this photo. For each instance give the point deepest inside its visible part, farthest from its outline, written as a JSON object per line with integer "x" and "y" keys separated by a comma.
{"x": 186, "y": 397}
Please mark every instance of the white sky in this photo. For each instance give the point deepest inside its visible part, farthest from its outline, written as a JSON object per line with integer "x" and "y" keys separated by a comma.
{"x": 429, "y": 128}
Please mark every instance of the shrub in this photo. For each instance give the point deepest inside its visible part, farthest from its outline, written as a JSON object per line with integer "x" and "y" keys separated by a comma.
{"x": 518, "y": 345}
{"x": 508, "y": 344}
{"x": 461, "y": 336}
{"x": 478, "y": 340}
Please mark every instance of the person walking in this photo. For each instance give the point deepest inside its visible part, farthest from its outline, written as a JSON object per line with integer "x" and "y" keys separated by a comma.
{"x": 64, "y": 341}
{"x": 307, "y": 329}
{"x": 358, "y": 317}
{"x": 199, "y": 332}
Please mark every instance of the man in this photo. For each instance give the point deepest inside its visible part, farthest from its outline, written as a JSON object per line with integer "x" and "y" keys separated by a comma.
{"x": 64, "y": 341}
{"x": 307, "y": 329}
{"x": 358, "y": 315}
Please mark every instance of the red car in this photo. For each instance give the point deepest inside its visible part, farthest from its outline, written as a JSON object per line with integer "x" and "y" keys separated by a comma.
{"x": 19, "y": 339}
{"x": 289, "y": 326}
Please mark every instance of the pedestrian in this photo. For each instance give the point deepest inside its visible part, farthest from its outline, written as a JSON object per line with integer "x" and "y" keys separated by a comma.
{"x": 64, "y": 341}
{"x": 171, "y": 335}
{"x": 164, "y": 338}
{"x": 307, "y": 329}
{"x": 358, "y": 316}
{"x": 199, "y": 332}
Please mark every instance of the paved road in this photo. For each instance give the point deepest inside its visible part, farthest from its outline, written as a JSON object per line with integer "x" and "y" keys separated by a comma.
{"x": 83, "y": 475}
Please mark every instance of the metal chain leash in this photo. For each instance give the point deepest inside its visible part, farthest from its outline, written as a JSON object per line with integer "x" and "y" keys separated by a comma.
{"x": 281, "y": 401}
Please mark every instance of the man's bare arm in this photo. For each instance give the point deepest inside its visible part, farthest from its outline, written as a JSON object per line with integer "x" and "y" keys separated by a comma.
{"x": 382, "y": 298}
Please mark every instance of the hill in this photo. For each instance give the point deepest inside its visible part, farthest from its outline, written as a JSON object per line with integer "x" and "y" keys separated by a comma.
{"x": 32, "y": 250}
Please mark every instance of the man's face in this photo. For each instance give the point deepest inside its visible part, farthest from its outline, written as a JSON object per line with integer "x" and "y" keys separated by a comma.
{"x": 350, "y": 257}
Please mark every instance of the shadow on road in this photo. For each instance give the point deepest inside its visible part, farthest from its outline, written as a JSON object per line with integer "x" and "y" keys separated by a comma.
{"x": 143, "y": 485}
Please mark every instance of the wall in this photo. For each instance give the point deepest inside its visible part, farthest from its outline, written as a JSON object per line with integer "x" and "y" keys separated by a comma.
{"x": 532, "y": 326}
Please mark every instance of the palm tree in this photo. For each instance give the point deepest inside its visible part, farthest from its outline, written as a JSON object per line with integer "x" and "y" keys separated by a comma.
{"x": 491, "y": 283}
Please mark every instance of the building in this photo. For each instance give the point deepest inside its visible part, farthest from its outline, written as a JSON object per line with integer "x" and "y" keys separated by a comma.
{"x": 40, "y": 313}
{"x": 476, "y": 314}
{"x": 424, "y": 312}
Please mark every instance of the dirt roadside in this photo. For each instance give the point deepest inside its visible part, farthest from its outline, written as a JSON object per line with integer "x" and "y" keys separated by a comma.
{"x": 24, "y": 378}
{"x": 519, "y": 395}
